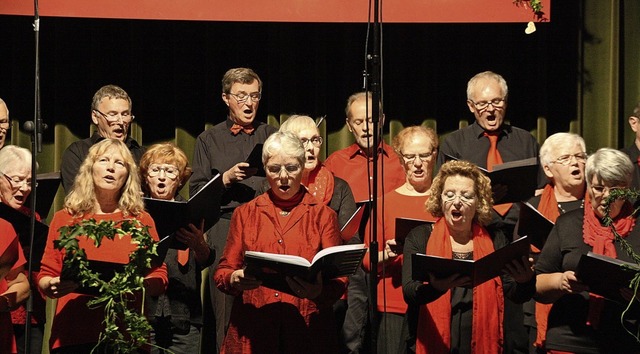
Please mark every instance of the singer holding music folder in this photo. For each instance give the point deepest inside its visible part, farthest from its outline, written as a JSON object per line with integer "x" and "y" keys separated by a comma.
{"x": 107, "y": 188}
{"x": 444, "y": 315}
{"x": 15, "y": 188}
{"x": 286, "y": 219}
{"x": 416, "y": 148}
{"x": 176, "y": 315}
{"x": 580, "y": 321}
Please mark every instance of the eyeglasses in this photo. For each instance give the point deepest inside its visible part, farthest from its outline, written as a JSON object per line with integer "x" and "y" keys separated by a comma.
{"x": 450, "y": 196}
{"x": 242, "y": 97}
{"x": 482, "y": 105}
{"x": 315, "y": 141}
{"x": 288, "y": 169}
{"x": 112, "y": 117}
{"x": 600, "y": 190}
{"x": 170, "y": 171}
{"x": 4, "y": 123}
{"x": 565, "y": 160}
{"x": 412, "y": 157}
{"x": 17, "y": 182}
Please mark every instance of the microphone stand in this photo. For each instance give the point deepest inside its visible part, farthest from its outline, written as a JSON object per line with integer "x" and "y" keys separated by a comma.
{"x": 36, "y": 127}
{"x": 375, "y": 118}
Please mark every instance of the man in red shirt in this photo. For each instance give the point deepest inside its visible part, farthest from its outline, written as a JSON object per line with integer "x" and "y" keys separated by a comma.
{"x": 354, "y": 164}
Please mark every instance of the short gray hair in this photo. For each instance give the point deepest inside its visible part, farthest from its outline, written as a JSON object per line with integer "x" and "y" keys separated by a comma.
{"x": 471, "y": 85}
{"x": 12, "y": 156}
{"x": 559, "y": 142}
{"x": 283, "y": 143}
{"x": 609, "y": 166}
{"x": 297, "y": 123}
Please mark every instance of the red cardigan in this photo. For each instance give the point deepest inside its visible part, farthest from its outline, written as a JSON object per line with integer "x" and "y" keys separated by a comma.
{"x": 263, "y": 318}
{"x": 74, "y": 323}
{"x": 396, "y": 205}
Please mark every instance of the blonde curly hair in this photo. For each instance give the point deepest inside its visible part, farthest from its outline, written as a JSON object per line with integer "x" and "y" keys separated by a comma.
{"x": 482, "y": 189}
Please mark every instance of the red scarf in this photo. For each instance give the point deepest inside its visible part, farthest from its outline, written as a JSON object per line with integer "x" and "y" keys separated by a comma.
{"x": 434, "y": 322}
{"x": 320, "y": 184}
{"x": 601, "y": 239}
{"x": 548, "y": 207}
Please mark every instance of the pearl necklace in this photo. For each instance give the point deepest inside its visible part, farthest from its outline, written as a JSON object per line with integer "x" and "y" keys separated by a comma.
{"x": 561, "y": 209}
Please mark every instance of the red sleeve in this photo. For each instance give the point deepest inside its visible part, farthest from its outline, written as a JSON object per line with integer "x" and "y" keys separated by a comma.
{"x": 51, "y": 264}
{"x": 233, "y": 254}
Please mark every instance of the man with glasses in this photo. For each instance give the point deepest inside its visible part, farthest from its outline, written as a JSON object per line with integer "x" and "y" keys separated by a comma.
{"x": 224, "y": 148}
{"x": 111, "y": 113}
{"x": 489, "y": 139}
{"x": 634, "y": 149}
{"x": 4, "y": 122}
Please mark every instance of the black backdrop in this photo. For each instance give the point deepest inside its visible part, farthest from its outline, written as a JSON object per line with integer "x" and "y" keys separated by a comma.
{"x": 172, "y": 69}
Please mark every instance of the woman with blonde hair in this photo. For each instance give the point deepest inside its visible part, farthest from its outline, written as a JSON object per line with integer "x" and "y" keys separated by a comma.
{"x": 107, "y": 188}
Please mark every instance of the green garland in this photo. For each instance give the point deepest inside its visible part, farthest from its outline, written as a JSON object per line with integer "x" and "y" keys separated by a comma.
{"x": 629, "y": 195}
{"x": 535, "y": 6}
{"x": 117, "y": 294}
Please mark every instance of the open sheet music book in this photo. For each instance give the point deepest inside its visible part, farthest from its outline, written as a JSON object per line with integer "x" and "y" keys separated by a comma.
{"x": 520, "y": 177}
{"x": 533, "y": 224}
{"x": 171, "y": 215}
{"x": 605, "y": 275}
{"x": 481, "y": 270}
{"x": 333, "y": 262}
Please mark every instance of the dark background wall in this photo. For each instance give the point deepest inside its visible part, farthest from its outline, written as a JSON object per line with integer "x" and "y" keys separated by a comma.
{"x": 172, "y": 69}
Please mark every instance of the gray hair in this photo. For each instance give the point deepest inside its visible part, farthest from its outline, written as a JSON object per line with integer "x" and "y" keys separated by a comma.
{"x": 283, "y": 143}
{"x": 471, "y": 85}
{"x": 297, "y": 123}
{"x": 609, "y": 166}
{"x": 636, "y": 111}
{"x": 14, "y": 156}
{"x": 112, "y": 92}
{"x": 2, "y": 102}
{"x": 559, "y": 142}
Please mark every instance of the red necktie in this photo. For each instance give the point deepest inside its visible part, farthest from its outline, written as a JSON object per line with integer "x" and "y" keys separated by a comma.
{"x": 247, "y": 129}
{"x": 494, "y": 158}
{"x": 183, "y": 257}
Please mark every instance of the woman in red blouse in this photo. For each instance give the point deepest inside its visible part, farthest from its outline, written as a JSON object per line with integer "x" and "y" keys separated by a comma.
{"x": 287, "y": 219}
{"x": 15, "y": 189}
{"x": 107, "y": 187}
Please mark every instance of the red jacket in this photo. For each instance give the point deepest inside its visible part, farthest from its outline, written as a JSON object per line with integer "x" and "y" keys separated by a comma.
{"x": 266, "y": 320}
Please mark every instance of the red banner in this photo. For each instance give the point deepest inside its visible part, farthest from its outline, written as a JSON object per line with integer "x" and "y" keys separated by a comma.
{"x": 416, "y": 11}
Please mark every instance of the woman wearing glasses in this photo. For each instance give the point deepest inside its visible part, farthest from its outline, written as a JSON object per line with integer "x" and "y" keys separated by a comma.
{"x": 318, "y": 180}
{"x": 580, "y": 321}
{"x": 416, "y": 148}
{"x": 286, "y": 219}
{"x": 176, "y": 315}
{"x": 15, "y": 188}
{"x": 451, "y": 317}
{"x": 562, "y": 157}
